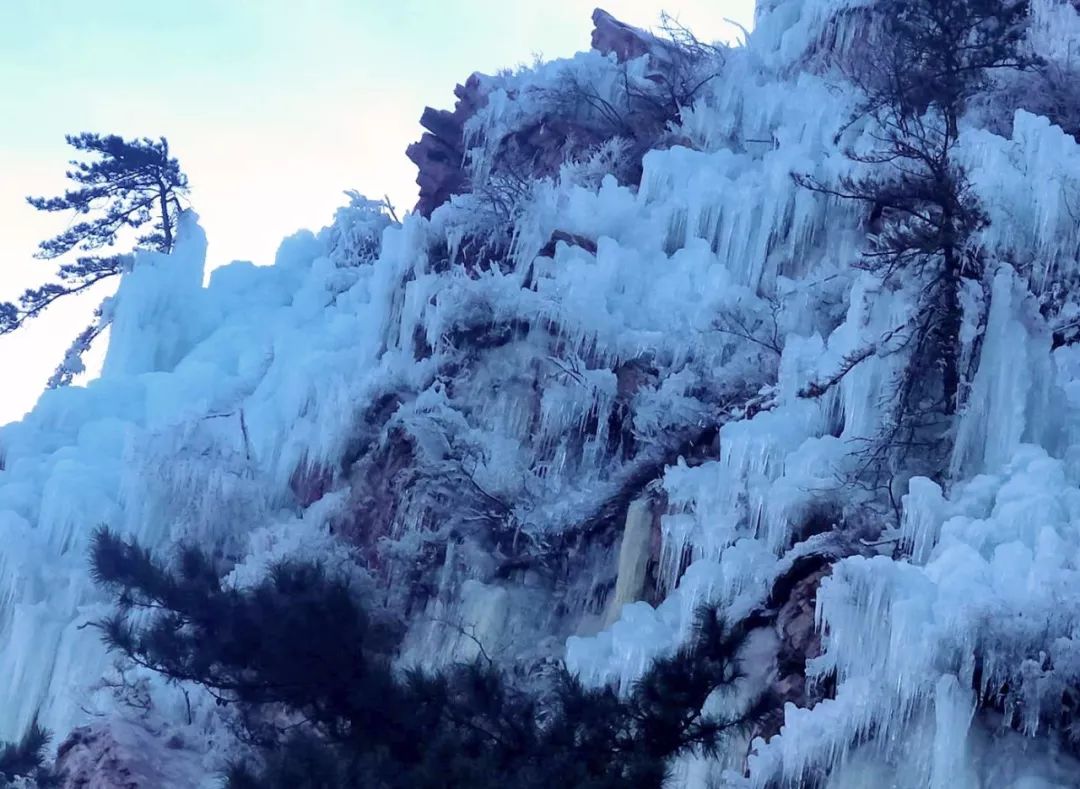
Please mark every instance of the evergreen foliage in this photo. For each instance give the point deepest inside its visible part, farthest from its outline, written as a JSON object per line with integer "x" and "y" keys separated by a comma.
{"x": 25, "y": 760}
{"x": 312, "y": 674}
{"x": 940, "y": 54}
{"x": 128, "y": 185}
{"x": 937, "y": 55}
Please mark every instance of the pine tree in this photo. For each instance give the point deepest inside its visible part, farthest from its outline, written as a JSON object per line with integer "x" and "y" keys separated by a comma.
{"x": 301, "y": 647}
{"x": 127, "y": 185}
{"x": 25, "y": 760}
{"x": 936, "y": 55}
{"x": 939, "y": 54}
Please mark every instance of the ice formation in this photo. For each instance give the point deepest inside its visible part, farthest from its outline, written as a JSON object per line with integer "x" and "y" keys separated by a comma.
{"x": 510, "y": 424}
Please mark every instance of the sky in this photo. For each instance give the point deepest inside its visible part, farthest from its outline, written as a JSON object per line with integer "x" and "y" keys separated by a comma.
{"x": 273, "y": 107}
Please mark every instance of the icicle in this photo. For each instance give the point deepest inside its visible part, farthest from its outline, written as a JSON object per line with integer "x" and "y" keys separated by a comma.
{"x": 155, "y": 317}
{"x": 954, "y": 707}
{"x": 923, "y": 513}
{"x": 676, "y": 531}
{"x": 634, "y": 551}
{"x": 993, "y": 422}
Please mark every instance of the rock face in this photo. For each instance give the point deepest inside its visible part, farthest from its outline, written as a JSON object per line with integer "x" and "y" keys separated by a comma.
{"x": 101, "y": 757}
{"x": 794, "y": 599}
{"x": 439, "y": 154}
{"x": 610, "y": 36}
{"x": 90, "y": 759}
{"x": 800, "y": 640}
{"x": 381, "y": 483}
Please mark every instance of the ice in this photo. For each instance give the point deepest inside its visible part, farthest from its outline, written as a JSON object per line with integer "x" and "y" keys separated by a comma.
{"x": 785, "y": 31}
{"x": 544, "y": 387}
{"x": 153, "y": 310}
{"x": 954, "y": 706}
{"x": 923, "y": 507}
{"x": 1010, "y": 392}
{"x": 515, "y": 99}
{"x": 1029, "y": 186}
{"x": 188, "y": 434}
{"x": 772, "y": 470}
{"x": 1054, "y": 27}
{"x": 621, "y": 653}
{"x": 633, "y": 558}
{"x": 891, "y": 628}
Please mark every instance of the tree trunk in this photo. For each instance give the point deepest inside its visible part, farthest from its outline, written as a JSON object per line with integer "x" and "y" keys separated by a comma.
{"x": 949, "y": 332}
{"x": 166, "y": 225}
{"x": 952, "y": 128}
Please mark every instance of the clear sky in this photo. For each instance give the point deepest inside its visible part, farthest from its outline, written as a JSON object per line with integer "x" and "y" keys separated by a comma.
{"x": 274, "y": 107}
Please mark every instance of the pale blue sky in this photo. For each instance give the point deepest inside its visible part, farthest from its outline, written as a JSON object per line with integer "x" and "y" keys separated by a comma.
{"x": 273, "y": 107}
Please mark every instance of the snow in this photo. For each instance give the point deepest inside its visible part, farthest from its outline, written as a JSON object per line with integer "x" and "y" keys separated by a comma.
{"x": 992, "y": 570}
{"x": 179, "y": 439}
{"x": 717, "y": 281}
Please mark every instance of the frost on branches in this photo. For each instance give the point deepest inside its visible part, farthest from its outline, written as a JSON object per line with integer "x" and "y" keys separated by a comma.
{"x": 764, "y": 327}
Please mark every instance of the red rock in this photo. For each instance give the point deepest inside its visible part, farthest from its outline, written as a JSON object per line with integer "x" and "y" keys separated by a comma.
{"x": 309, "y": 483}
{"x": 101, "y": 756}
{"x": 572, "y": 239}
{"x": 610, "y": 36}
{"x": 440, "y": 152}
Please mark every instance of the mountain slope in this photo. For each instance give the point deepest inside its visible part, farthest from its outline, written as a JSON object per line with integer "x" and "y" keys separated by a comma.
{"x": 618, "y": 363}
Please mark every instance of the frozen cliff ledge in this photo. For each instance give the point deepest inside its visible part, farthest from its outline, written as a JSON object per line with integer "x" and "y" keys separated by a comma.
{"x": 582, "y": 446}
{"x": 151, "y": 320}
{"x": 441, "y": 153}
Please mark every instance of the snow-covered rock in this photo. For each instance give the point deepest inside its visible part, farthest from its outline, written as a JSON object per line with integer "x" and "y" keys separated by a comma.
{"x": 558, "y": 442}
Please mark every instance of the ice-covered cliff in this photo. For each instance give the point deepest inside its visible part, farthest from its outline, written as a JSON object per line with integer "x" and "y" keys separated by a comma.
{"x": 565, "y": 402}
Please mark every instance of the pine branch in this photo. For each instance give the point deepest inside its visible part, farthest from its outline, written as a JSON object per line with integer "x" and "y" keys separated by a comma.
{"x": 816, "y": 389}
{"x": 35, "y": 301}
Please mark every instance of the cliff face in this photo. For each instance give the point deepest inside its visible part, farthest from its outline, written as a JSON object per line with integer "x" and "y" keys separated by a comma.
{"x": 543, "y": 145}
{"x": 564, "y": 403}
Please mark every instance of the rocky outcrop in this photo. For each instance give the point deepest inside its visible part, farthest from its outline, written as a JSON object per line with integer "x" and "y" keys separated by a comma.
{"x": 794, "y": 600}
{"x": 439, "y": 154}
{"x": 310, "y": 482}
{"x": 104, "y": 757}
{"x": 800, "y": 640}
{"x": 610, "y": 36}
{"x": 91, "y": 759}
{"x": 381, "y": 482}
{"x": 570, "y": 239}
